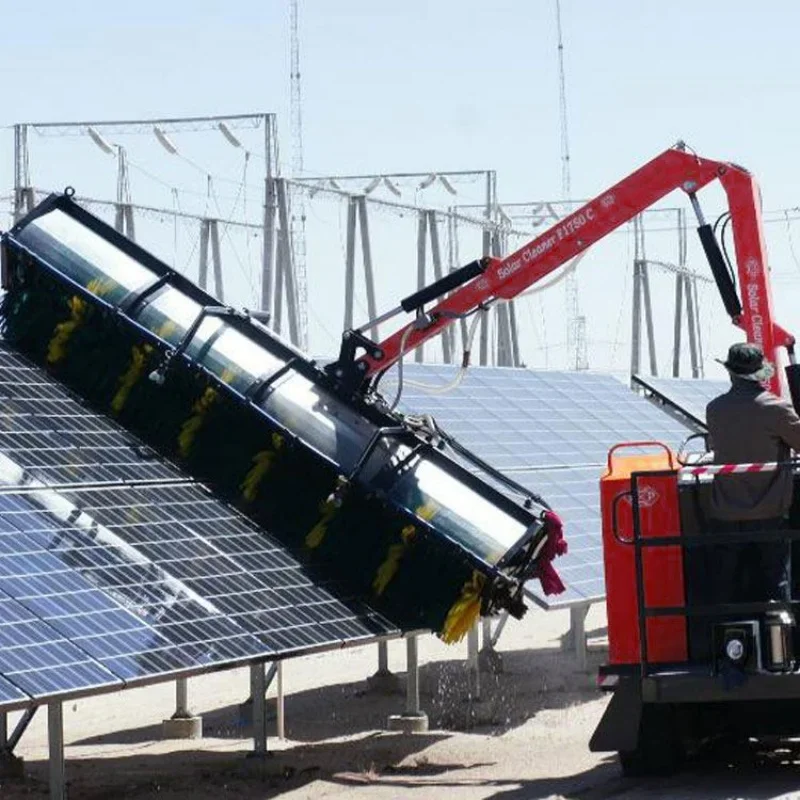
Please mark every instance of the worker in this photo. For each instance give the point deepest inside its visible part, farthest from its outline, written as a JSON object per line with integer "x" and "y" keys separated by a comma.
{"x": 748, "y": 425}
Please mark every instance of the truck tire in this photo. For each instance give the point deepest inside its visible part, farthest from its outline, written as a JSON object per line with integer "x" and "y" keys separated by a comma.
{"x": 659, "y": 749}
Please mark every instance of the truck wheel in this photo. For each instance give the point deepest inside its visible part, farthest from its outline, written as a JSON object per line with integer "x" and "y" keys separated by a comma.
{"x": 659, "y": 749}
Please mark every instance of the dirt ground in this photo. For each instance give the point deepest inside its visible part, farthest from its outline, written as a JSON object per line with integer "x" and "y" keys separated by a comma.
{"x": 525, "y": 737}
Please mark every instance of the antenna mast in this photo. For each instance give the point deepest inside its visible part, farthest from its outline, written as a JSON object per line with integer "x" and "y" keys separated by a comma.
{"x": 298, "y": 211}
{"x": 577, "y": 351}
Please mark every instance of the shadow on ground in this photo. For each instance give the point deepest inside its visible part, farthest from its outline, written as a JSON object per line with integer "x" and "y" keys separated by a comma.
{"x": 748, "y": 771}
{"x": 207, "y": 775}
{"x": 393, "y": 765}
{"x": 529, "y": 682}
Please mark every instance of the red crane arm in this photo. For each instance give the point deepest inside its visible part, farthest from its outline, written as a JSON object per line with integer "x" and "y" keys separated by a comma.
{"x": 674, "y": 169}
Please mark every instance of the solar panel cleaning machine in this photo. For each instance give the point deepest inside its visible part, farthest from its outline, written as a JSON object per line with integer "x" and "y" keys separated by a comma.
{"x": 387, "y": 504}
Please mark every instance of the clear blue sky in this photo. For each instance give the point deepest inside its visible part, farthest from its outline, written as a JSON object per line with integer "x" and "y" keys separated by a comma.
{"x": 445, "y": 84}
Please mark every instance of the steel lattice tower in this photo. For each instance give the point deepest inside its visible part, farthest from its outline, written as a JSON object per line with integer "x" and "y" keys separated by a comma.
{"x": 577, "y": 353}
{"x": 298, "y": 211}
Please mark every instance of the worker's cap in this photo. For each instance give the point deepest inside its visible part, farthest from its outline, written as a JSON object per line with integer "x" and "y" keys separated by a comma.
{"x": 746, "y": 360}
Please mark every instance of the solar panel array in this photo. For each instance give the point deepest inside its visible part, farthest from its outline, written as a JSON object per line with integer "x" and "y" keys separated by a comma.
{"x": 57, "y": 440}
{"x": 126, "y": 572}
{"x": 688, "y": 396}
{"x": 550, "y": 432}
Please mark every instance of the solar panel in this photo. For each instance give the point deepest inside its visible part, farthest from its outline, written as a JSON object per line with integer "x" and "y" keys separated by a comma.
{"x": 106, "y": 582}
{"x": 689, "y": 396}
{"x": 519, "y": 419}
{"x": 39, "y": 661}
{"x": 129, "y": 615}
{"x": 11, "y": 696}
{"x": 229, "y": 562}
{"x": 59, "y": 441}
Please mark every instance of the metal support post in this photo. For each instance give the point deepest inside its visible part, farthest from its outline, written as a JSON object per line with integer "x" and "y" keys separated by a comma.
{"x": 280, "y": 268}
{"x": 489, "y": 660}
{"x": 22, "y": 725}
{"x": 422, "y": 226}
{"x": 676, "y": 346}
{"x": 499, "y": 627}
{"x": 512, "y": 319}
{"x": 383, "y": 656}
{"x": 129, "y": 228}
{"x": 202, "y": 272}
{"x": 55, "y": 739}
{"x": 268, "y": 248}
{"x": 17, "y": 171}
{"x": 281, "y": 709}
{"x": 503, "y": 355}
{"x": 700, "y": 357}
{"x": 412, "y": 689}
{"x": 648, "y": 316}
{"x": 259, "y": 690}
{"x": 12, "y": 766}
{"x": 22, "y": 191}
{"x": 636, "y": 320}
{"x": 366, "y": 254}
{"x": 473, "y": 664}
{"x": 577, "y": 618}
{"x": 384, "y": 681}
{"x": 486, "y": 625}
{"x": 350, "y": 265}
{"x": 413, "y": 720}
{"x": 216, "y": 260}
{"x": 183, "y": 724}
{"x": 487, "y": 250}
{"x": 288, "y": 263}
{"x": 694, "y": 333}
{"x": 436, "y": 260}
{"x": 453, "y": 263}
{"x": 181, "y": 698}
{"x": 119, "y": 218}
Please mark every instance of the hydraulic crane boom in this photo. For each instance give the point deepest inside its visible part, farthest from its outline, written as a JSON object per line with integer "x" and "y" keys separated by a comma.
{"x": 481, "y": 283}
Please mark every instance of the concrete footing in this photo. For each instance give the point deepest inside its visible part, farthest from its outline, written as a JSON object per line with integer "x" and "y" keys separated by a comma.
{"x": 408, "y": 723}
{"x": 182, "y": 724}
{"x": 182, "y": 728}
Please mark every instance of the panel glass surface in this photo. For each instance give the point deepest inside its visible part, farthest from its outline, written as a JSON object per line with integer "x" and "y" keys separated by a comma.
{"x": 690, "y": 396}
{"x": 227, "y": 561}
{"x": 118, "y": 606}
{"x": 11, "y": 696}
{"x": 59, "y": 441}
{"x": 100, "y": 588}
{"x": 518, "y": 419}
{"x": 38, "y": 659}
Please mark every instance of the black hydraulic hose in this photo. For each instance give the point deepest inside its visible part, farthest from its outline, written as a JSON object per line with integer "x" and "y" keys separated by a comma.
{"x": 723, "y": 233}
{"x": 720, "y": 270}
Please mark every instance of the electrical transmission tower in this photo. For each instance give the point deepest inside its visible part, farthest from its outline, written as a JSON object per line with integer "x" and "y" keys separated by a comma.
{"x": 577, "y": 351}
{"x": 298, "y": 211}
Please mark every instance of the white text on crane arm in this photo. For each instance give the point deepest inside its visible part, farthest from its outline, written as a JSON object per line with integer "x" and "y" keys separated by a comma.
{"x": 540, "y": 246}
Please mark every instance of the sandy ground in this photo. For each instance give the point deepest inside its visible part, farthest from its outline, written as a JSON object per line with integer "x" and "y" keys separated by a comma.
{"x": 526, "y": 737}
